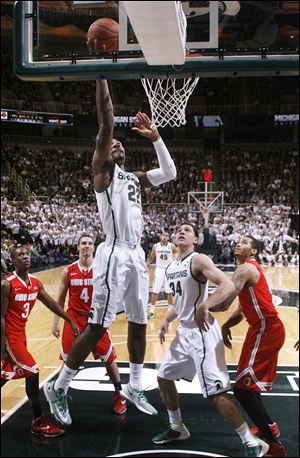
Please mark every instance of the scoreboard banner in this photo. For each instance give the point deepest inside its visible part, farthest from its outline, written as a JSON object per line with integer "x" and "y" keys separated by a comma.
{"x": 35, "y": 117}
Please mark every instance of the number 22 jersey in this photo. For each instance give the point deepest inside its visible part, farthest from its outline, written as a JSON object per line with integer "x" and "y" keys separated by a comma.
{"x": 120, "y": 207}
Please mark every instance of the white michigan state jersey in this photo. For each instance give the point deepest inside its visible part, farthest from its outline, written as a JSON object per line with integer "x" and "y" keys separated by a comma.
{"x": 120, "y": 207}
{"x": 164, "y": 255}
{"x": 186, "y": 290}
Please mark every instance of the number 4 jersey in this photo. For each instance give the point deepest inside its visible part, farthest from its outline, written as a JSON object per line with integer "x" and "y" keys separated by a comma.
{"x": 186, "y": 290}
{"x": 80, "y": 288}
{"x": 120, "y": 208}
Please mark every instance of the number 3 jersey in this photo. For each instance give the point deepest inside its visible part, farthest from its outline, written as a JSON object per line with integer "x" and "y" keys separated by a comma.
{"x": 120, "y": 207}
{"x": 21, "y": 301}
{"x": 186, "y": 290}
{"x": 80, "y": 287}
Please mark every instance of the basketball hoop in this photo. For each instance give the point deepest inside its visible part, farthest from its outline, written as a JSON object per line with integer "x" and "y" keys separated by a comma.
{"x": 168, "y": 99}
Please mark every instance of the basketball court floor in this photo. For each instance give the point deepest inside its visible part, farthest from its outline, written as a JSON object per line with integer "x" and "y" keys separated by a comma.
{"x": 96, "y": 431}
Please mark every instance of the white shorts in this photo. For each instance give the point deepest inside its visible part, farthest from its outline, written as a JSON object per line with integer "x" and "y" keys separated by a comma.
{"x": 120, "y": 281}
{"x": 197, "y": 352}
{"x": 160, "y": 281}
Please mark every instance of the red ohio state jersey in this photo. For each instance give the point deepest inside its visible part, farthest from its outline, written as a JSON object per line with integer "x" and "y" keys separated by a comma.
{"x": 21, "y": 301}
{"x": 80, "y": 287}
{"x": 256, "y": 301}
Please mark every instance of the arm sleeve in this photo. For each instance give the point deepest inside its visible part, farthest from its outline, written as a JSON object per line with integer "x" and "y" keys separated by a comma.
{"x": 166, "y": 170}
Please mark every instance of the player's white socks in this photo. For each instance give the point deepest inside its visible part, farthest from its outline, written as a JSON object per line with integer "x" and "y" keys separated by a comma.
{"x": 65, "y": 378}
{"x": 175, "y": 417}
{"x": 245, "y": 435}
{"x": 135, "y": 378}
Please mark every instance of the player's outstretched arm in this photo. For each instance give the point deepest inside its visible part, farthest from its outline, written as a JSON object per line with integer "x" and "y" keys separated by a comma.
{"x": 102, "y": 164}
{"x": 50, "y": 303}
{"x": 167, "y": 170}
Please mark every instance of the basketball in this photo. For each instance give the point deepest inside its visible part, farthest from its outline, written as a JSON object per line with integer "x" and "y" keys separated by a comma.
{"x": 106, "y": 31}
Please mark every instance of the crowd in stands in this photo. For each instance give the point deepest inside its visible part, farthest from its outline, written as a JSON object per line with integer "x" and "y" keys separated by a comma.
{"x": 254, "y": 176}
{"x": 52, "y": 229}
{"x": 244, "y": 177}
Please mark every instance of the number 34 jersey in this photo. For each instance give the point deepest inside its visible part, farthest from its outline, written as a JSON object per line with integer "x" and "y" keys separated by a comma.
{"x": 186, "y": 290}
{"x": 120, "y": 207}
{"x": 80, "y": 287}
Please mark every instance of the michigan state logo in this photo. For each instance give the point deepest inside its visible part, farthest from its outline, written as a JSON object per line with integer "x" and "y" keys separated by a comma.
{"x": 219, "y": 384}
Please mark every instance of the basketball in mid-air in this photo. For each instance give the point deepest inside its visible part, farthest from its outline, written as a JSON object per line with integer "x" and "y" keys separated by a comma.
{"x": 106, "y": 31}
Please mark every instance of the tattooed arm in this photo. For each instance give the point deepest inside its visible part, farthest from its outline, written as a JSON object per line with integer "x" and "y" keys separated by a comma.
{"x": 245, "y": 275}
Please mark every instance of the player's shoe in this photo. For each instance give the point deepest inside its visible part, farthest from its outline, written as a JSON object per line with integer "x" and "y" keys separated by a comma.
{"x": 150, "y": 314}
{"x": 139, "y": 399}
{"x": 57, "y": 400}
{"x": 119, "y": 404}
{"x": 181, "y": 433}
{"x": 273, "y": 427}
{"x": 276, "y": 449}
{"x": 256, "y": 450}
{"x": 42, "y": 426}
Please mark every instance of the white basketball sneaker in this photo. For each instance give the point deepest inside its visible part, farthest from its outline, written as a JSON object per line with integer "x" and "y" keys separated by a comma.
{"x": 57, "y": 400}
{"x": 139, "y": 399}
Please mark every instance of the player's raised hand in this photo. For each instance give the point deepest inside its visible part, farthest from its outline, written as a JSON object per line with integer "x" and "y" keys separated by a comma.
{"x": 144, "y": 126}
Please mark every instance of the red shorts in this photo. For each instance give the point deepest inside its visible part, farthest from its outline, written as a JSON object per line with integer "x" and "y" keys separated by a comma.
{"x": 104, "y": 348}
{"x": 258, "y": 361}
{"x": 21, "y": 363}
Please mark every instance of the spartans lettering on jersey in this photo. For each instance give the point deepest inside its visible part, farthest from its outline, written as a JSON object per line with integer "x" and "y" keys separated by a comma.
{"x": 26, "y": 297}
{"x": 81, "y": 281}
{"x": 125, "y": 176}
{"x": 180, "y": 274}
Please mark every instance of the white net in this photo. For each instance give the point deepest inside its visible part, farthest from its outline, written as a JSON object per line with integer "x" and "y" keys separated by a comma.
{"x": 168, "y": 99}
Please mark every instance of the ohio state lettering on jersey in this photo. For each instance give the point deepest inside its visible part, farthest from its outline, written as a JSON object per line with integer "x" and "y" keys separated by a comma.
{"x": 256, "y": 301}
{"x": 80, "y": 287}
{"x": 21, "y": 301}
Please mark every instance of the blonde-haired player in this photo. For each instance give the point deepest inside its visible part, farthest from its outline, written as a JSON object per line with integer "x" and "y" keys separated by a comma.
{"x": 164, "y": 252}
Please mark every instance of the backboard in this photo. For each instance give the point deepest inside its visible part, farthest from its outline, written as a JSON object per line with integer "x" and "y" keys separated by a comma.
{"x": 223, "y": 38}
